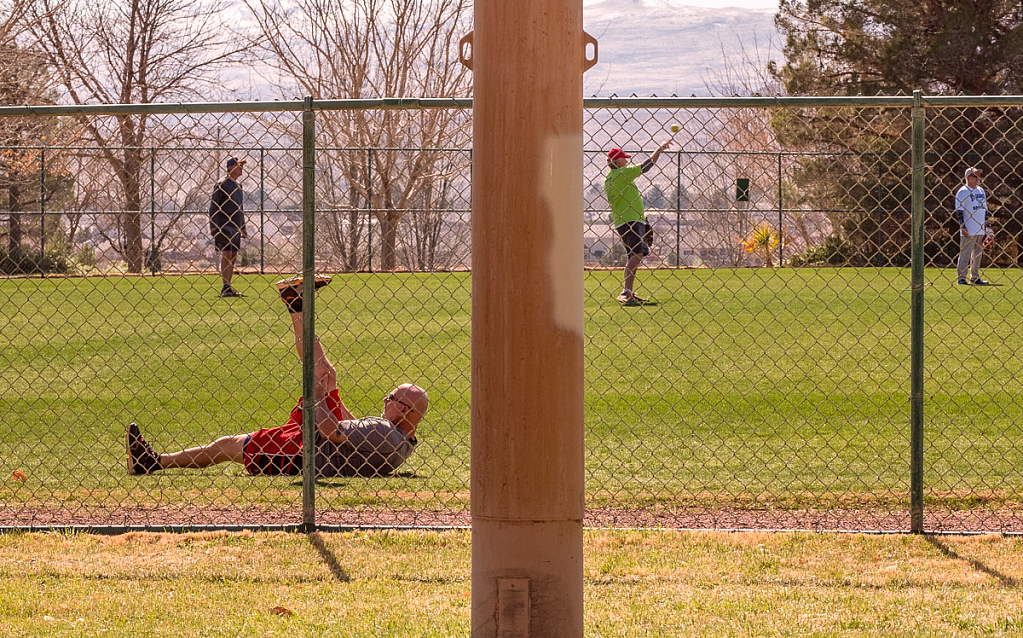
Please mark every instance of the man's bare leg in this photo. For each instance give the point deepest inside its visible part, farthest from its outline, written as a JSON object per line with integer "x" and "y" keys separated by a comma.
{"x": 143, "y": 459}
{"x": 631, "y": 267}
{"x": 324, "y": 374}
{"x": 223, "y": 450}
{"x": 227, "y": 259}
{"x": 319, "y": 357}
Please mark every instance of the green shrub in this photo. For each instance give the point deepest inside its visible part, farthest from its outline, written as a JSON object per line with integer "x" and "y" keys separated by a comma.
{"x": 832, "y": 252}
{"x": 249, "y": 256}
{"x": 27, "y": 260}
{"x": 86, "y": 257}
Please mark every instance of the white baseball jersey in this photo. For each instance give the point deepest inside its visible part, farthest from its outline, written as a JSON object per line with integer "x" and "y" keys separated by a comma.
{"x": 972, "y": 202}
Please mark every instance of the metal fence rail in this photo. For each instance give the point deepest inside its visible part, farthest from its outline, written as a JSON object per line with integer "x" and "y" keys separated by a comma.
{"x": 808, "y": 360}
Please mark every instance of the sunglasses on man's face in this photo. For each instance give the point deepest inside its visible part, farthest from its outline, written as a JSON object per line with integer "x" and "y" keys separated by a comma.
{"x": 391, "y": 397}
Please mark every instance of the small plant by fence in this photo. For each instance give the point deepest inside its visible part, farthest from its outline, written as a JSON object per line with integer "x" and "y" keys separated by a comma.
{"x": 809, "y": 362}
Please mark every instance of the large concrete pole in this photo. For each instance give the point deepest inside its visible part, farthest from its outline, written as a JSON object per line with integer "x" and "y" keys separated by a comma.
{"x": 527, "y": 58}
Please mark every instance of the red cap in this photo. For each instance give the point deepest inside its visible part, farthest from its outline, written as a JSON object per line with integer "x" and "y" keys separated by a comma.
{"x": 615, "y": 153}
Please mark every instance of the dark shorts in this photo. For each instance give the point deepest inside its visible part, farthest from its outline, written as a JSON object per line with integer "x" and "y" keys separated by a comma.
{"x": 228, "y": 238}
{"x": 637, "y": 237}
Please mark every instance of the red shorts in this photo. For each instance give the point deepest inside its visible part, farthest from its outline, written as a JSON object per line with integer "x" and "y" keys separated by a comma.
{"x": 276, "y": 451}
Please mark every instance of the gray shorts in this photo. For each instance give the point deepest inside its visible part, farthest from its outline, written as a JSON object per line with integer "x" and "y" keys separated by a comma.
{"x": 637, "y": 237}
{"x": 228, "y": 237}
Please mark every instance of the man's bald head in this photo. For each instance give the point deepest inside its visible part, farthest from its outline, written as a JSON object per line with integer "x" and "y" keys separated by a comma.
{"x": 414, "y": 396}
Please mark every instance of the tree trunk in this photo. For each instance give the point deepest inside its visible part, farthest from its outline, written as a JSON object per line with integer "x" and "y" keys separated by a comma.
{"x": 14, "y": 225}
{"x": 389, "y": 239}
{"x": 355, "y": 221}
{"x": 354, "y": 240}
{"x": 131, "y": 218}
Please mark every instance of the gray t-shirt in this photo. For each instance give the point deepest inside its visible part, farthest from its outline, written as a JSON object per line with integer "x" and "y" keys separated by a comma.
{"x": 374, "y": 448}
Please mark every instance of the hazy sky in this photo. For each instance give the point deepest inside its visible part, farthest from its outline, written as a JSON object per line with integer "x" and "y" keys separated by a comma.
{"x": 745, "y": 4}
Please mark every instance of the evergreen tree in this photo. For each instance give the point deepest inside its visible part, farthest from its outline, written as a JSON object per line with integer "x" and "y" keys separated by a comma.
{"x": 869, "y": 47}
{"x": 865, "y": 47}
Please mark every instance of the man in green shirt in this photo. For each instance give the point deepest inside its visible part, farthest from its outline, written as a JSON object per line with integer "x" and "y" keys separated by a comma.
{"x": 627, "y": 214}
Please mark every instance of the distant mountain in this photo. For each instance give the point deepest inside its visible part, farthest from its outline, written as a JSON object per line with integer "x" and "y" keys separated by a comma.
{"x": 646, "y": 47}
{"x": 666, "y": 47}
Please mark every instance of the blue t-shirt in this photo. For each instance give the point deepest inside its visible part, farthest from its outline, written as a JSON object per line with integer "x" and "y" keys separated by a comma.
{"x": 226, "y": 206}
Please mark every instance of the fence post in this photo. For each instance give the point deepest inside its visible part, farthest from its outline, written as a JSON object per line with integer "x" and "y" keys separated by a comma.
{"x": 369, "y": 208}
{"x": 42, "y": 211}
{"x": 781, "y": 224}
{"x": 678, "y": 210}
{"x": 879, "y": 259}
{"x": 152, "y": 211}
{"x": 262, "y": 211}
{"x": 308, "y": 317}
{"x": 916, "y": 399}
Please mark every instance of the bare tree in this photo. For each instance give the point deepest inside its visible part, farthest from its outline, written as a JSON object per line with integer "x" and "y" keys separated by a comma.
{"x": 371, "y": 49}
{"x": 132, "y": 52}
{"x": 438, "y": 236}
{"x": 749, "y": 133}
{"x": 719, "y": 221}
{"x": 746, "y": 72}
{"x": 15, "y": 56}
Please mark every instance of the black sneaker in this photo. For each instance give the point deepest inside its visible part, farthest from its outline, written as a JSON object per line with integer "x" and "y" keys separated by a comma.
{"x": 980, "y": 282}
{"x": 291, "y": 290}
{"x": 142, "y": 459}
{"x": 228, "y": 291}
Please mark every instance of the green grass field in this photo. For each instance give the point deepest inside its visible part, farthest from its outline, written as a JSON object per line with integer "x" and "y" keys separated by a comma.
{"x": 764, "y": 389}
{"x": 387, "y": 584}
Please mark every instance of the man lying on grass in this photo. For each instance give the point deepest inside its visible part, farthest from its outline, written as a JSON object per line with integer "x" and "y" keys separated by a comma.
{"x": 345, "y": 446}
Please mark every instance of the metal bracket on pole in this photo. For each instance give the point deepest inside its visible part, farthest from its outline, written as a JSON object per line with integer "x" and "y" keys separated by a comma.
{"x": 587, "y": 61}
{"x": 465, "y": 50}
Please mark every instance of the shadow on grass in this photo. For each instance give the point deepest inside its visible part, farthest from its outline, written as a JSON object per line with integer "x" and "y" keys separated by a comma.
{"x": 1006, "y": 580}
{"x": 343, "y": 481}
{"x": 646, "y": 304}
{"x": 328, "y": 557}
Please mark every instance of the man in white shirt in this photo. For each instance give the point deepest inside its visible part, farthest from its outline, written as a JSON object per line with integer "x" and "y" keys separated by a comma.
{"x": 971, "y": 213}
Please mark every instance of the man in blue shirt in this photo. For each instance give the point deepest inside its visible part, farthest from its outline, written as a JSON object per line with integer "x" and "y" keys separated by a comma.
{"x": 227, "y": 223}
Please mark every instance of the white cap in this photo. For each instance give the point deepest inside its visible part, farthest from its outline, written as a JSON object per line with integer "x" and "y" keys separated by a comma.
{"x": 973, "y": 170}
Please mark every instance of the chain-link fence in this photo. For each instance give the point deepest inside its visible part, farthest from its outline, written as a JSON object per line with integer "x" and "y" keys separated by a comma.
{"x": 793, "y": 367}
